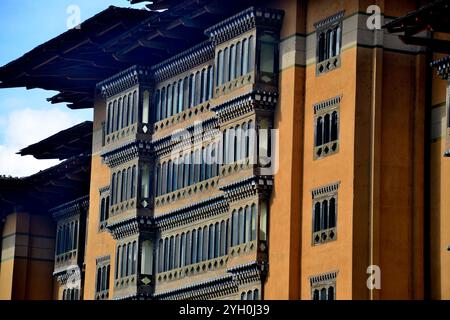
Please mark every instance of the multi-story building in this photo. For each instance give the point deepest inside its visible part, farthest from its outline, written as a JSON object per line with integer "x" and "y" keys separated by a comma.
{"x": 241, "y": 150}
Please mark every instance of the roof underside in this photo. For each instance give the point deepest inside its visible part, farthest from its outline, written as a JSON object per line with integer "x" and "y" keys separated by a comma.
{"x": 56, "y": 185}
{"x": 111, "y": 41}
{"x": 434, "y": 17}
{"x": 63, "y": 145}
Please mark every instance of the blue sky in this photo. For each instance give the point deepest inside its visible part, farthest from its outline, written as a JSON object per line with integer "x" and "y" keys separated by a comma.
{"x": 25, "y": 115}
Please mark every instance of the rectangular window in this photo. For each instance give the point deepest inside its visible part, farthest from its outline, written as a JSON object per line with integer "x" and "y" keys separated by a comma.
{"x": 323, "y": 287}
{"x": 324, "y": 209}
{"x": 329, "y": 43}
{"x": 102, "y": 278}
{"x": 326, "y": 128}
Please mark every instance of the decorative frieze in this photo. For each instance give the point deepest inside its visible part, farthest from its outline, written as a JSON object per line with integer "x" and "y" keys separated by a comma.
{"x": 239, "y": 106}
{"x": 125, "y": 80}
{"x": 244, "y": 21}
{"x": 329, "y": 20}
{"x": 189, "y": 59}
{"x": 194, "y": 212}
{"x": 247, "y": 188}
{"x": 326, "y": 190}
{"x": 70, "y": 209}
{"x": 127, "y": 152}
{"x": 127, "y": 227}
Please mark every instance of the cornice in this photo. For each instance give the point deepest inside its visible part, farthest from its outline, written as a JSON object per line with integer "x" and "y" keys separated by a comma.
{"x": 244, "y": 21}
{"x": 194, "y": 212}
{"x": 182, "y": 62}
{"x": 127, "y": 152}
{"x": 241, "y": 105}
{"x": 125, "y": 80}
{"x": 70, "y": 209}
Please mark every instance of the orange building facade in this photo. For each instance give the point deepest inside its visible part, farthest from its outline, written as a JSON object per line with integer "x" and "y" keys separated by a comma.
{"x": 275, "y": 150}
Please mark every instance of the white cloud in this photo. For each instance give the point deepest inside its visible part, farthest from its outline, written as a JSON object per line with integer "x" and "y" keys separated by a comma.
{"x": 27, "y": 126}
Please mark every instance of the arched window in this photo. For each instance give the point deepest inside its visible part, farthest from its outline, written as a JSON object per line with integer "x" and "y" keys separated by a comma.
{"x": 75, "y": 236}
{"x": 332, "y": 213}
{"x": 186, "y": 86}
{"x": 223, "y": 239}
{"x": 191, "y": 169}
{"x": 238, "y": 65}
{"x": 256, "y": 294}
{"x": 331, "y": 293}
{"x": 99, "y": 280}
{"x": 114, "y": 117}
{"x": 253, "y": 210}
{"x": 166, "y": 255}
{"x": 164, "y": 178}
{"x": 177, "y": 252}
{"x": 317, "y": 222}
{"x": 186, "y": 170}
{"x": 175, "y": 98}
{"x": 109, "y": 117}
{"x": 198, "y": 165}
{"x": 250, "y": 295}
{"x": 198, "y": 89}
{"x": 323, "y": 294}
{"x": 107, "y": 208}
{"x": 220, "y": 67}
{"x": 241, "y": 225}
{"x": 245, "y": 141}
{"x": 134, "y": 109}
{"x": 212, "y": 242}
{"x": 244, "y": 296}
{"x": 245, "y": 57}
{"x": 232, "y": 66}
{"x": 238, "y": 145}
{"x": 316, "y": 295}
{"x": 172, "y": 253}
{"x": 180, "y": 165}
{"x": 204, "y": 88}
{"x": 170, "y": 177}
{"x": 188, "y": 249}
{"x": 194, "y": 246}
{"x": 119, "y": 115}
{"x": 217, "y": 238}
{"x": 133, "y": 182}
{"x": 175, "y": 175}
{"x": 199, "y": 245}
{"x": 234, "y": 228}
{"x": 123, "y": 269}
{"x": 104, "y": 278}
{"x": 210, "y": 82}
{"x": 134, "y": 257}
{"x": 119, "y": 248}
{"x": 158, "y": 180}
{"x": 126, "y": 113}
{"x": 321, "y": 47}
{"x": 129, "y": 259}
{"x": 113, "y": 189}
{"x": 326, "y": 129}
{"x": 102, "y": 211}
{"x": 169, "y": 101}
{"x": 161, "y": 256}
{"x": 124, "y": 186}
{"x": 226, "y": 63}
{"x": 119, "y": 187}
{"x": 334, "y": 126}
{"x": 191, "y": 90}
{"x": 319, "y": 130}
{"x": 108, "y": 272}
{"x": 163, "y": 104}
{"x": 180, "y": 95}
{"x": 248, "y": 225}
{"x": 205, "y": 243}
{"x": 325, "y": 215}
{"x": 251, "y": 53}
{"x": 183, "y": 250}
{"x": 158, "y": 105}
{"x": 130, "y": 109}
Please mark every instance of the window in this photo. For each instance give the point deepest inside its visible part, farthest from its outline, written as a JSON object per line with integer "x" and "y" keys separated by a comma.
{"x": 102, "y": 278}
{"x": 104, "y": 208}
{"x": 323, "y": 287}
{"x": 268, "y": 58}
{"x": 325, "y": 214}
{"x": 250, "y": 295}
{"x": 329, "y": 38}
{"x": 326, "y": 128}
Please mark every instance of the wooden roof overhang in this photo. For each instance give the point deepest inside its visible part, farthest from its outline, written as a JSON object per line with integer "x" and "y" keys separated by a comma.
{"x": 63, "y": 145}
{"x": 111, "y": 41}
{"x": 56, "y": 185}
{"x": 434, "y": 17}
